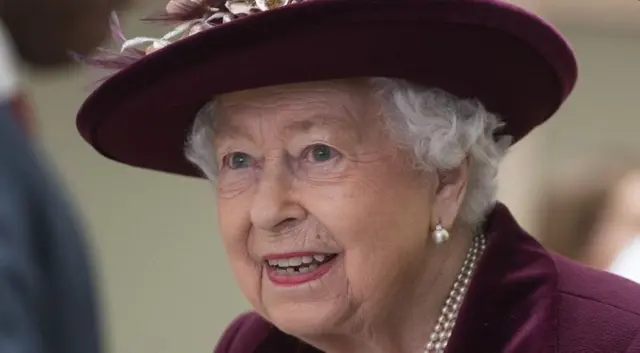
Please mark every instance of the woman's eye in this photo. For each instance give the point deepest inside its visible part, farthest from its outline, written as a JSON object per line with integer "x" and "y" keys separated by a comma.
{"x": 321, "y": 153}
{"x": 237, "y": 160}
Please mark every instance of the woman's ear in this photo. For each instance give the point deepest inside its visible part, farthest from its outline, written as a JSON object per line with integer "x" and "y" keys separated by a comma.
{"x": 450, "y": 192}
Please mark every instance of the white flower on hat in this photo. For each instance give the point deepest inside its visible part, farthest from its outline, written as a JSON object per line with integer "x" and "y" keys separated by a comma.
{"x": 207, "y": 16}
{"x": 192, "y": 16}
{"x": 265, "y": 5}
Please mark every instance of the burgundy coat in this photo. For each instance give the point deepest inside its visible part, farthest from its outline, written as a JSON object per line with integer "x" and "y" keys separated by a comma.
{"x": 523, "y": 299}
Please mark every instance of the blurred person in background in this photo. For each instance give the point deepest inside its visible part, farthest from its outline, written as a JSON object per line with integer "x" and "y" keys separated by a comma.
{"x": 615, "y": 244}
{"x": 47, "y": 298}
{"x": 595, "y": 219}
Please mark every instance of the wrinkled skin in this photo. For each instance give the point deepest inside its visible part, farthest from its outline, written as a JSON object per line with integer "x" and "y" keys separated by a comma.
{"x": 44, "y": 31}
{"x": 310, "y": 167}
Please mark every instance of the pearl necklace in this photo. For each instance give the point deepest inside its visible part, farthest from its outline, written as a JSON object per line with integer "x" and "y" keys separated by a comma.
{"x": 447, "y": 320}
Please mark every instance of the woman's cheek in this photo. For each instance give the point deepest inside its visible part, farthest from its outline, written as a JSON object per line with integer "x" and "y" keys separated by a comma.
{"x": 233, "y": 183}
{"x": 319, "y": 173}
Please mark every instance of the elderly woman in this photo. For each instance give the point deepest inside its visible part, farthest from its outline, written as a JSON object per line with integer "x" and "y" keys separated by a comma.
{"x": 354, "y": 145}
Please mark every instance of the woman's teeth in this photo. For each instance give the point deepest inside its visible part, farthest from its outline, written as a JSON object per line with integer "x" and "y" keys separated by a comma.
{"x": 297, "y": 261}
{"x": 297, "y": 265}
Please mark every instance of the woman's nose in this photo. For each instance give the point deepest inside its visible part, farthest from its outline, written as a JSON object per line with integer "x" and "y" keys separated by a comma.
{"x": 275, "y": 204}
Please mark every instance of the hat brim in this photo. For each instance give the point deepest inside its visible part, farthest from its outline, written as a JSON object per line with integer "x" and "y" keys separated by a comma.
{"x": 517, "y": 65}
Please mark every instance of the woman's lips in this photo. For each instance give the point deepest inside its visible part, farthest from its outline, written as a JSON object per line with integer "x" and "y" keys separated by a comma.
{"x": 294, "y": 269}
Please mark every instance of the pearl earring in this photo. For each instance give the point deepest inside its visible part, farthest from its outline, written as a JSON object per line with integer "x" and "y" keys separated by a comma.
{"x": 440, "y": 235}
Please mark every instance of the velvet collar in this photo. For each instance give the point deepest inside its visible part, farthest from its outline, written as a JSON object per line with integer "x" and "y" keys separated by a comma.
{"x": 510, "y": 305}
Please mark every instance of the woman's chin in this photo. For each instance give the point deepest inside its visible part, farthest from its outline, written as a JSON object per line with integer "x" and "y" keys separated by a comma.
{"x": 306, "y": 305}
{"x": 304, "y": 322}
{"x": 318, "y": 284}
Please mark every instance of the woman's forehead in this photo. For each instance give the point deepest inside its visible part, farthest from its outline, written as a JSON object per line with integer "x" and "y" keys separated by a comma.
{"x": 297, "y": 107}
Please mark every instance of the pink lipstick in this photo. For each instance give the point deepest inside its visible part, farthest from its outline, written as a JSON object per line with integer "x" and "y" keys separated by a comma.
{"x": 291, "y": 269}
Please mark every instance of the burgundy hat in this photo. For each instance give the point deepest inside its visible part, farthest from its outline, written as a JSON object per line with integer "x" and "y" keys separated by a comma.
{"x": 516, "y": 64}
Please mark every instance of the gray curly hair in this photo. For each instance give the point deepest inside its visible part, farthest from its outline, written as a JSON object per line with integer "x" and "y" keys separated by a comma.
{"x": 441, "y": 131}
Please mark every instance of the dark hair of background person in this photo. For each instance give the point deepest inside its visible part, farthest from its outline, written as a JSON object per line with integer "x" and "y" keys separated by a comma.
{"x": 45, "y": 31}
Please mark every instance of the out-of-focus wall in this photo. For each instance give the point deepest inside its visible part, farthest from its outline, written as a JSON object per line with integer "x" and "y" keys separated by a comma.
{"x": 167, "y": 287}
{"x": 599, "y": 123}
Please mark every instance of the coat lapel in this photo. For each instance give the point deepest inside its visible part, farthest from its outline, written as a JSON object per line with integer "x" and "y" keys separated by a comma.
{"x": 512, "y": 302}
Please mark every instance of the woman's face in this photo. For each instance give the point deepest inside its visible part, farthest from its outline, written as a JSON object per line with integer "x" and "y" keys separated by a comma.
{"x": 323, "y": 217}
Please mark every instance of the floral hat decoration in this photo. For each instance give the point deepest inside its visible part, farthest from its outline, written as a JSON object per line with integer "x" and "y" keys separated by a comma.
{"x": 514, "y": 62}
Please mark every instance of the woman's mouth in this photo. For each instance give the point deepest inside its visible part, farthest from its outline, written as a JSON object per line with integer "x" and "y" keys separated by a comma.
{"x": 299, "y": 268}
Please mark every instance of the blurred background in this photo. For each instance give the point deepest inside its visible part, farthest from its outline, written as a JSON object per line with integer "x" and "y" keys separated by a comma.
{"x": 165, "y": 282}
